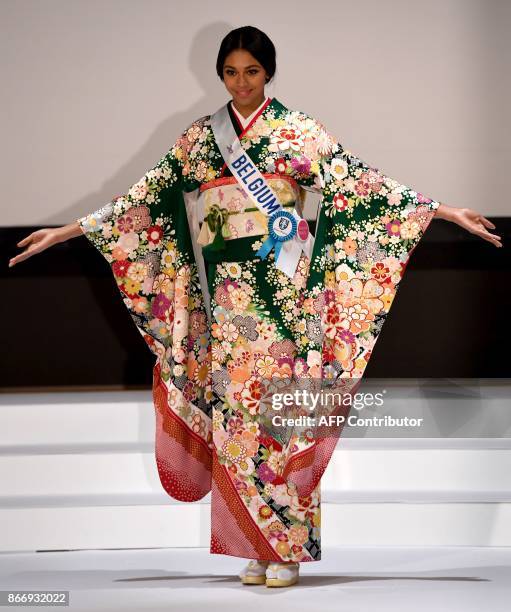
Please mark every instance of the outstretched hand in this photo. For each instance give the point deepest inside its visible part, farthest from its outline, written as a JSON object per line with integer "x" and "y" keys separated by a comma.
{"x": 475, "y": 223}
{"x": 36, "y": 242}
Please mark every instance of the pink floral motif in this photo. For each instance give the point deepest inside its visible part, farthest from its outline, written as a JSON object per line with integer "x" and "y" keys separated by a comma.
{"x": 264, "y": 325}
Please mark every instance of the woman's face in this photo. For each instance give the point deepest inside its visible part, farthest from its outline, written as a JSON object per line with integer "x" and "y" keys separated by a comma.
{"x": 244, "y": 78}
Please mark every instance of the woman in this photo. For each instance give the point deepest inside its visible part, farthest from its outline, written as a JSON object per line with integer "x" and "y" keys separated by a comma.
{"x": 251, "y": 296}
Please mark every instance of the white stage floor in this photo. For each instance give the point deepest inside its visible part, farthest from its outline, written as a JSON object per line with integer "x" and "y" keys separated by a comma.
{"x": 348, "y": 579}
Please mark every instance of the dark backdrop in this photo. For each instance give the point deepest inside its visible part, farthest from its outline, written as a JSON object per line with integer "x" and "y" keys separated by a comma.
{"x": 64, "y": 324}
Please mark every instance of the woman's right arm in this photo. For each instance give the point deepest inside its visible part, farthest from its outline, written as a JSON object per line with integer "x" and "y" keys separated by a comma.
{"x": 144, "y": 197}
{"x": 44, "y": 238}
{"x": 72, "y": 230}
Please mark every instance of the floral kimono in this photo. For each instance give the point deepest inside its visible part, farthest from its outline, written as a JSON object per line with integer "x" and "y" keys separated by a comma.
{"x": 218, "y": 318}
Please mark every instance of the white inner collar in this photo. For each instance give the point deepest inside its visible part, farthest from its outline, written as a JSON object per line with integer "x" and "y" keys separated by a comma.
{"x": 245, "y": 121}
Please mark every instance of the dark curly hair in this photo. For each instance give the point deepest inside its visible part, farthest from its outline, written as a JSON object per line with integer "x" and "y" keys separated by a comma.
{"x": 254, "y": 41}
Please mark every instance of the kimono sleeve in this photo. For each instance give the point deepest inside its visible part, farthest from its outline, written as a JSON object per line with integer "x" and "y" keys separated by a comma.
{"x": 378, "y": 208}
{"x": 368, "y": 225}
{"x": 144, "y": 236}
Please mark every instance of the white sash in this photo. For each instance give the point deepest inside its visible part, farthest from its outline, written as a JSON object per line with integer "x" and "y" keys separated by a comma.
{"x": 283, "y": 230}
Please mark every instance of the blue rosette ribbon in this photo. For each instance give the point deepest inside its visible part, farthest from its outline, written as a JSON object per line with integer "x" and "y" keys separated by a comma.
{"x": 282, "y": 226}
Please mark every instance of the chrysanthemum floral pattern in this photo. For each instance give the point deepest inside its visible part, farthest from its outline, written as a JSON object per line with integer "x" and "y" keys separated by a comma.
{"x": 321, "y": 324}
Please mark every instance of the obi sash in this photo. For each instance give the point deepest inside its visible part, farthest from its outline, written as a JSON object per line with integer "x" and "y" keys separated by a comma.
{"x": 240, "y": 217}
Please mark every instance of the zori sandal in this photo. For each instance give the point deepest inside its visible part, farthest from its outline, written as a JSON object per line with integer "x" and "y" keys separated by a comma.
{"x": 254, "y": 572}
{"x": 282, "y": 574}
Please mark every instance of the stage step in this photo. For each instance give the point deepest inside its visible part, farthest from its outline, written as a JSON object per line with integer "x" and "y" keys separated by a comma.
{"x": 77, "y": 470}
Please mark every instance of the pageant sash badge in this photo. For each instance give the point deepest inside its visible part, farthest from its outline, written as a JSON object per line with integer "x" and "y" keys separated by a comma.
{"x": 288, "y": 233}
{"x": 283, "y": 226}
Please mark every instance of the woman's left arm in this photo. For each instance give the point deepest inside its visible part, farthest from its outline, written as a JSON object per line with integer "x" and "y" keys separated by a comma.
{"x": 470, "y": 220}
